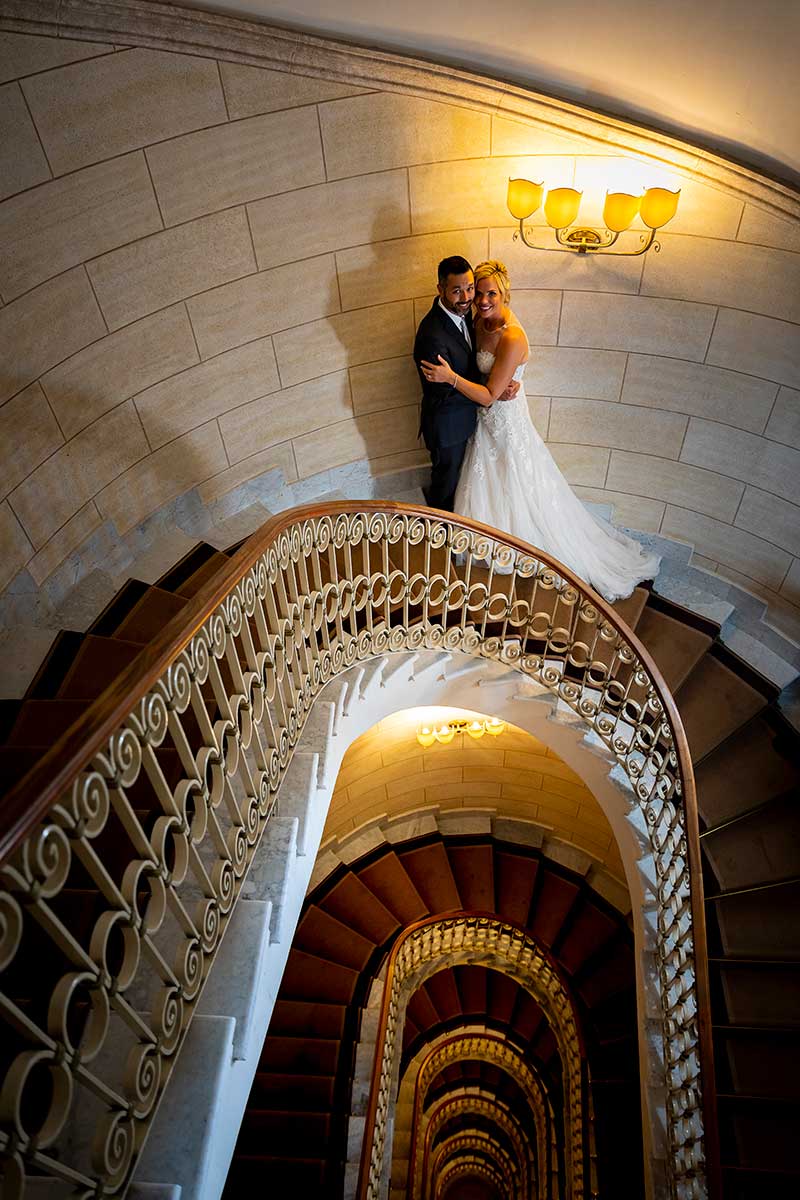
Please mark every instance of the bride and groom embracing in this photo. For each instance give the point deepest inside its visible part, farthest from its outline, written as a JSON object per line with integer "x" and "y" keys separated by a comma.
{"x": 488, "y": 460}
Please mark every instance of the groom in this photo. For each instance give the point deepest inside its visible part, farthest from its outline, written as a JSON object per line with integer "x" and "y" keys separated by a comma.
{"x": 448, "y": 418}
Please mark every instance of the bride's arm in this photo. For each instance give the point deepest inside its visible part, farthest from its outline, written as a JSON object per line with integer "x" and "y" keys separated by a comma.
{"x": 511, "y": 351}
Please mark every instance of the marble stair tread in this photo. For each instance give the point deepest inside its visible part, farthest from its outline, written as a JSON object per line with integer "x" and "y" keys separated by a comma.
{"x": 432, "y": 663}
{"x": 673, "y": 587}
{"x": 179, "y": 1146}
{"x": 336, "y": 693}
{"x": 765, "y": 660}
{"x": 232, "y": 987}
{"x": 370, "y": 678}
{"x": 317, "y": 737}
{"x": 238, "y": 525}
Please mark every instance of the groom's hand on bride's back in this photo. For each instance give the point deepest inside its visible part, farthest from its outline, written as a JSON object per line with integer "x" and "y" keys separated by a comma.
{"x": 510, "y": 391}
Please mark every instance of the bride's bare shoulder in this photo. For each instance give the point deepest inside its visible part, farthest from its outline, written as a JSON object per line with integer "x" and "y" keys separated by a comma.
{"x": 514, "y": 335}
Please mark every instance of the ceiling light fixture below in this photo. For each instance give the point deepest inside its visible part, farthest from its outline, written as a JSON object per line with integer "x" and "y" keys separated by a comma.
{"x": 447, "y": 730}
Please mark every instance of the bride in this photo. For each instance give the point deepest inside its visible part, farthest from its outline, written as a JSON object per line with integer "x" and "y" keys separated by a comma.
{"x": 509, "y": 479}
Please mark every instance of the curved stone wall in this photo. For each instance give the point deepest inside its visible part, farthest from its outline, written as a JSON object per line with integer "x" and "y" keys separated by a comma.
{"x": 209, "y": 269}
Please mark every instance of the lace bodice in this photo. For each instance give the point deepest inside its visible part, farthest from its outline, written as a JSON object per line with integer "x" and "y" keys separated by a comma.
{"x": 505, "y": 418}
{"x": 485, "y": 360}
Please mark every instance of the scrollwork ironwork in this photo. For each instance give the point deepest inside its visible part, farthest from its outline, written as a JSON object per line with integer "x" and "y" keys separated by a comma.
{"x": 131, "y": 877}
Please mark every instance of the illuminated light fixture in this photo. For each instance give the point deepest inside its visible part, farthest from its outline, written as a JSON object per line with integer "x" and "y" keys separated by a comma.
{"x": 655, "y": 207}
{"x": 444, "y": 731}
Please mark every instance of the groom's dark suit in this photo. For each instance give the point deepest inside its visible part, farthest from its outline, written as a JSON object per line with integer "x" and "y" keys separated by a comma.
{"x": 448, "y": 418}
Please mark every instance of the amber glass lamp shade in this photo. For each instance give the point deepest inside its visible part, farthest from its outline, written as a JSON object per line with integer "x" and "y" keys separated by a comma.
{"x": 426, "y": 736}
{"x": 619, "y": 210}
{"x": 523, "y": 198}
{"x": 658, "y": 206}
{"x": 561, "y": 207}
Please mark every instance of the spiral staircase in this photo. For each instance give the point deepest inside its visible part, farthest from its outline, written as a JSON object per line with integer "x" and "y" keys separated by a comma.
{"x": 297, "y": 1122}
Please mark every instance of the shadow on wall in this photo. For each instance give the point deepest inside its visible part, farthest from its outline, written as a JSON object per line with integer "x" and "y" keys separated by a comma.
{"x": 384, "y": 387}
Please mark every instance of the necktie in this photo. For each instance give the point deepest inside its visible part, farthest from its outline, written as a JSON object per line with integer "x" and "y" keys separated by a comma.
{"x": 465, "y": 331}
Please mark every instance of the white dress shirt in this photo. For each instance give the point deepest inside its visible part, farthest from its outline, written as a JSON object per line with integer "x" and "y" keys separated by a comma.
{"x": 459, "y": 322}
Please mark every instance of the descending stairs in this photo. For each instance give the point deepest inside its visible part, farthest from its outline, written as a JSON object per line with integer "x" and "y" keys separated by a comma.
{"x": 301, "y": 1097}
{"x": 746, "y": 761}
{"x": 80, "y": 665}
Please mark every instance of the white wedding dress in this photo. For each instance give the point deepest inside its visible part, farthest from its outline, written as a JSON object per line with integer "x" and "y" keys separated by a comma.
{"x": 510, "y": 481}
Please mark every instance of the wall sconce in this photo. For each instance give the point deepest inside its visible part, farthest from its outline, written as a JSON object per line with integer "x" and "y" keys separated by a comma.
{"x": 447, "y": 730}
{"x": 657, "y": 206}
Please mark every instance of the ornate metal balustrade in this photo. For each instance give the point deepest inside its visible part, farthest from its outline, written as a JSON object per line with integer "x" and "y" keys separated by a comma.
{"x": 124, "y": 851}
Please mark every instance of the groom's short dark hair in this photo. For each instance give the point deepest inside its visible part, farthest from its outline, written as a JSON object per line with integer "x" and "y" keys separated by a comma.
{"x": 454, "y": 265}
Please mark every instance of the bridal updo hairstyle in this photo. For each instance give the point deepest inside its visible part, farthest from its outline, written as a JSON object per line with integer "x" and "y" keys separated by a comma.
{"x": 493, "y": 269}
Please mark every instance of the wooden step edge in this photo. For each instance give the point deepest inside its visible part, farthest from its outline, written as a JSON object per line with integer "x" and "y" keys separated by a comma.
{"x": 272, "y": 1158}
{"x": 9, "y": 714}
{"x": 328, "y": 962}
{"x": 55, "y": 663}
{"x": 744, "y": 671}
{"x": 118, "y": 607}
{"x": 778, "y": 964}
{"x": 288, "y": 1074}
{"x": 770, "y": 1174}
{"x": 787, "y": 738}
{"x": 77, "y": 664}
{"x": 186, "y": 566}
{"x": 207, "y": 571}
{"x": 778, "y": 1031}
{"x": 746, "y": 814}
{"x": 671, "y": 608}
{"x": 753, "y": 887}
{"x": 291, "y": 1113}
{"x": 756, "y": 1100}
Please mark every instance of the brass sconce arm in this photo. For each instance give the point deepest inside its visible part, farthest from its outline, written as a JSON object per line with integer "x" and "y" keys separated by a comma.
{"x": 587, "y": 241}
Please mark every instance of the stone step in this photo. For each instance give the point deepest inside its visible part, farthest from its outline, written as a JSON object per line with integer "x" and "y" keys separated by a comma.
{"x": 185, "y": 1139}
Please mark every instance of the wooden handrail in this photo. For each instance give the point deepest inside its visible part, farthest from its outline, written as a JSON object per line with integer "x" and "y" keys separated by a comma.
{"x": 33, "y": 795}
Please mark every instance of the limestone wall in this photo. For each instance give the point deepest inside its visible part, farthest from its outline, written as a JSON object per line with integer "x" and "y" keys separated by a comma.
{"x": 208, "y": 269}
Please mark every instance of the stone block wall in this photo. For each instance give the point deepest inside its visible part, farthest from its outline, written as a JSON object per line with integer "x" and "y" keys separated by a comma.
{"x": 209, "y": 269}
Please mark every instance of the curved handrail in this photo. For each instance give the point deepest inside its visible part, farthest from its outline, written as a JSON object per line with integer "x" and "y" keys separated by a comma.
{"x": 270, "y": 630}
{"x": 30, "y": 799}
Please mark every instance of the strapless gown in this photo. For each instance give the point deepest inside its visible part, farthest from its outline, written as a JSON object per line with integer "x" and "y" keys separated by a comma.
{"x": 509, "y": 480}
